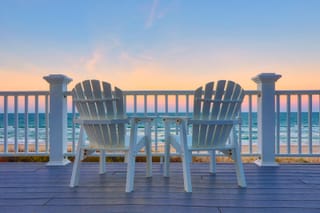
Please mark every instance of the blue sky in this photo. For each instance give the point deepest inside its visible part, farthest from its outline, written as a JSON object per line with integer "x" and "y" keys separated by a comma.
{"x": 159, "y": 44}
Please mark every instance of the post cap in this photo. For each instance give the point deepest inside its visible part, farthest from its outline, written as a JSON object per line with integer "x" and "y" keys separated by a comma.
{"x": 57, "y": 78}
{"x": 266, "y": 77}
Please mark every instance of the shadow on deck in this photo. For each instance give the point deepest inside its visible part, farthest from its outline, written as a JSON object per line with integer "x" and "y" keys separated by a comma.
{"x": 35, "y": 188}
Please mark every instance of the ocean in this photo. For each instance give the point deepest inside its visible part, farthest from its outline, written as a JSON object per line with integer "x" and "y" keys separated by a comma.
{"x": 41, "y": 133}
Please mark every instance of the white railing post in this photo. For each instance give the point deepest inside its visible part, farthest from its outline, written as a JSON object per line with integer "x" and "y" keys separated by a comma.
{"x": 266, "y": 118}
{"x": 58, "y": 119}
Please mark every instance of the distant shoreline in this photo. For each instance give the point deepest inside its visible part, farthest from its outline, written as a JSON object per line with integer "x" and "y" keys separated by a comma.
{"x": 160, "y": 149}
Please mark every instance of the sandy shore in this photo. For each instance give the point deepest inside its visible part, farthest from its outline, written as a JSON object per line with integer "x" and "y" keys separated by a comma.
{"x": 294, "y": 149}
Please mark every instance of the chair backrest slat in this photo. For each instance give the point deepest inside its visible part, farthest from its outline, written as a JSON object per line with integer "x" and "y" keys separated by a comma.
{"x": 225, "y": 111}
{"x": 206, "y": 105}
{"x": 107, "y": 91}
{"x": 213, "y": 130}
{"x": 208, "y": 93}
{"x": 224, "y": 130}
{"x": 218, "y": 97}
{"x": 119, "y": 103}
{"x": 196, "y": 113}
{"x": 89, "y": 95}
{"x": 82, "y": 107}
{"x": 239, "y": 94}
{"x": 110, "y": 113}
{"x": 97, "y": 94}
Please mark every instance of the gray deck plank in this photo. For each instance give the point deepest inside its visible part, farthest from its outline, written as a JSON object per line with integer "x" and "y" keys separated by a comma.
{"x": 38, "y": 188}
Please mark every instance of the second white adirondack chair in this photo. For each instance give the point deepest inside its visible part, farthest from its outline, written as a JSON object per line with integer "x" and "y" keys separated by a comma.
{"x": 103, "y": 120}
{"x": 214, "y": 117}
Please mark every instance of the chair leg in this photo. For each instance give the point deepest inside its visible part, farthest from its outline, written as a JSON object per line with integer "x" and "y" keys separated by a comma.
{"x": 166, "y": 170}
{"x": 149, "y": 159}
{"x": 74, "y": 181}
{"x": 130, "y": 171}
{"x": 239, "y": 168}
{"x": 186, "y": 171}
{"x": 102, "y": 162}
{"x": 76, "y": 169}
{"x": 186, "y": 157}
{"x": 167, "y": 150}
{"x": 148, "y": 149}
{"x": 213, "y": 164}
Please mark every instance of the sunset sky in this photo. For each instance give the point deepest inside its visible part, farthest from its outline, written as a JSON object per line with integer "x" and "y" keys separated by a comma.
{"x": 159, "y": 44}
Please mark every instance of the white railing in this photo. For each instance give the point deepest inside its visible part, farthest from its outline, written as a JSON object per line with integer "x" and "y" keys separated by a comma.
{"x": 24, "y": 121}
{"x": 298, "y": 124}
{"x": 24, "y": 118}
{"x": 24, "y": 128}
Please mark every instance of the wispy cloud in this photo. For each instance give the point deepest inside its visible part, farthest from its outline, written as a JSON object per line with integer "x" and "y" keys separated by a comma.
{"x": 159, "y": 11}
{"x": 152, "y": 14}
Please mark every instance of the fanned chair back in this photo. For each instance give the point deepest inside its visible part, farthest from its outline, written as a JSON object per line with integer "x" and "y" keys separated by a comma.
{"x": 220, "y": 104}
{"x": 97, "y": 101}
{"x": 215, "y": 114}
{"x": 103, "y": 119}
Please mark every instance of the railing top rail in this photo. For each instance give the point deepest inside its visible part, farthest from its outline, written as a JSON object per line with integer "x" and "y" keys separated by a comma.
{"x": 173, "y": 92}
{"x": 168, "y": 92}
{"x": 153, "y": 92}
{"x": 163, "y": 92}
{"x": 297, "y": 92}
{"x": 158, "y": 92}
{"x": 20, "y": 93}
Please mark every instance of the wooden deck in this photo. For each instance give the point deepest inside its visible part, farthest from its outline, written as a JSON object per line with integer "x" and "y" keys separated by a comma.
{"x": 35, "y": 188}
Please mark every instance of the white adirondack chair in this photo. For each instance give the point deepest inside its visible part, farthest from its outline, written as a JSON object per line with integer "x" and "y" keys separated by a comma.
{"x": 103, "y": 120}
{"x": 214, "y": 117}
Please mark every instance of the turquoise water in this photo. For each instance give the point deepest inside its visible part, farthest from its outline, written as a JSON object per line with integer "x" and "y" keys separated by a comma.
{"x": 41, "y": 123}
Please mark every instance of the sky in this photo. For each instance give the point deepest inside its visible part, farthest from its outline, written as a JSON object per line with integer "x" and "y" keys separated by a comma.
{"x": 159, "y": 44}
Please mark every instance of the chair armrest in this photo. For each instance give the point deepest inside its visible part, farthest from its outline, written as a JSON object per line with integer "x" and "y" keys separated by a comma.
{"x": 142, "y": 119}
{"x": 188, "y": 120}
{"x": 175, "y": 119}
